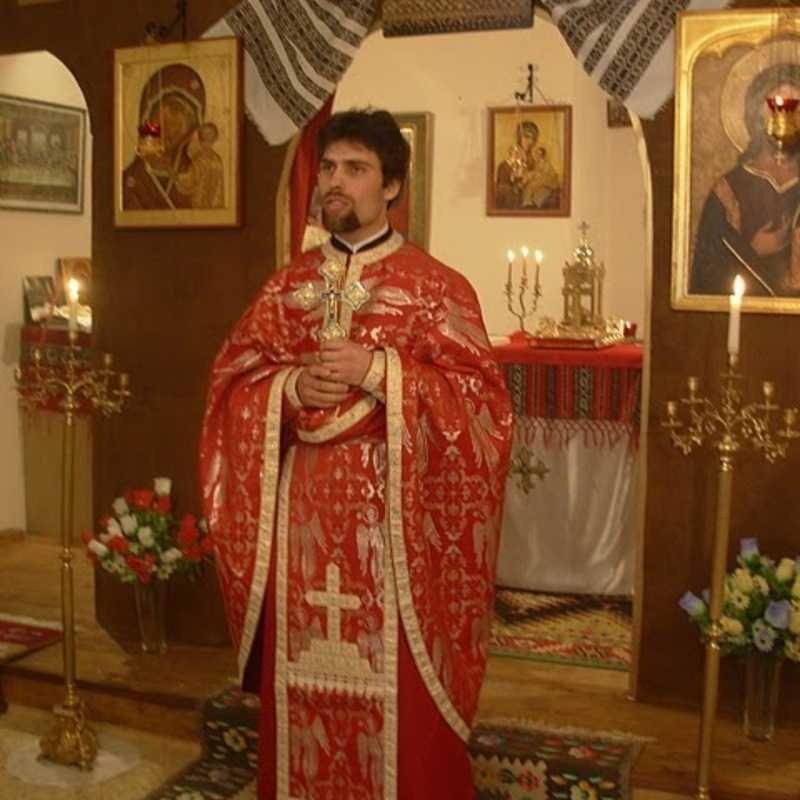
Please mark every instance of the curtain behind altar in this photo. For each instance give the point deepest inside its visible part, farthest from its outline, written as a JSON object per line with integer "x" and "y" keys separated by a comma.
{"x": 574, "y": 530}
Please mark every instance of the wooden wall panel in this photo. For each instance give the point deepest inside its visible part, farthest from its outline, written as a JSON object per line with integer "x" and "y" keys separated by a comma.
{"x": 163, "y": 300}
{"x": 681, "y": 490}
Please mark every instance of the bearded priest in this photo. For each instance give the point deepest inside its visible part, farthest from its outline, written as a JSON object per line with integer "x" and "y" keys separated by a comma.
{"x": 353, "y": 458}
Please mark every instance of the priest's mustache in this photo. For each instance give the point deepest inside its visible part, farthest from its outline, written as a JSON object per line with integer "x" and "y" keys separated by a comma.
{"x": 336, "y": 196}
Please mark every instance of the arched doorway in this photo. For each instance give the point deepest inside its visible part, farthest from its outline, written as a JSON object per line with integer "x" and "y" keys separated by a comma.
{"x": 45, "y": 216}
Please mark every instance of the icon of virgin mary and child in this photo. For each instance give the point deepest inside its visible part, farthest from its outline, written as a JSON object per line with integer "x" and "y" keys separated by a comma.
{"x": 186, "y": 171}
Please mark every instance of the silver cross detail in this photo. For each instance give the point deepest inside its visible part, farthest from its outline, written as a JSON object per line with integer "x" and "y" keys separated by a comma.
{"x": 355, "y": 295}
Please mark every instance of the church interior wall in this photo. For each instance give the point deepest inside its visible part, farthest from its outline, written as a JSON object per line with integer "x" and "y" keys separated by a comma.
{"x": 442, "y": 75}
{"x": 31, "y": 243}
{"x": 164, "y": 300}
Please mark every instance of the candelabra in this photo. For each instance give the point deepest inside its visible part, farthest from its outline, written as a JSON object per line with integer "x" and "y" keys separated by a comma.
{"x": 725, "y": 427}
{"x": 519, "y": 308}
{"x": 72, "y": 384}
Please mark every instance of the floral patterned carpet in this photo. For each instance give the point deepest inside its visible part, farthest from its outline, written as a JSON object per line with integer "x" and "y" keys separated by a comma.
{"x": 580, "y": 629}
{"x": 22, "y": 635}
{"x": 511, "y": 759}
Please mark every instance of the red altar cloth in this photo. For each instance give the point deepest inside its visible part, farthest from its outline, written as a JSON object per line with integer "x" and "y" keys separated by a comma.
{"x": 617, "y": 356}
{"x": 590, "y": 387}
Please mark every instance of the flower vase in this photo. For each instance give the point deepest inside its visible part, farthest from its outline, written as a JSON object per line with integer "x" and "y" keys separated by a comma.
{"x": 762, "y": 683}
{"x": 150, "y": 614}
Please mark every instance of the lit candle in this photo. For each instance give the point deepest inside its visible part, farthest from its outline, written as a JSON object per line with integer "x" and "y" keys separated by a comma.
{"x": 510, "y": 256}
{"x": 525, "y": 251}
{"x": 735, "y": 315}
{"x": 73, "y": 290}
{"x": 539, "y": 256}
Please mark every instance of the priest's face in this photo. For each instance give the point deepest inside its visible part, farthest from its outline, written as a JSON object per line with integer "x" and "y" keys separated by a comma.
{"x": 354, "y": 197}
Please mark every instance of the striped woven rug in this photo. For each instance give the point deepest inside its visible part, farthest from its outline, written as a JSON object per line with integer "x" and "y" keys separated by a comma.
{"x": 580, "y": 629}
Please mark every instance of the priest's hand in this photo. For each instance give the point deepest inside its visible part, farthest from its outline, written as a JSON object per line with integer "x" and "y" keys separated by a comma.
{"x": 346, "y": 361}
{"x": 317, "y": 389}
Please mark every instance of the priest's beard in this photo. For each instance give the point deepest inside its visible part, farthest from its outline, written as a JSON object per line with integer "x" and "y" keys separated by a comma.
{"x": 342, "y": 223}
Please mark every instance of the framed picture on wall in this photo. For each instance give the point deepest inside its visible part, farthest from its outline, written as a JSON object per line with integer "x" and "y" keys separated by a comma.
{"x": 410, "y": 214}
{"x": 529, "y": 161}
{"x": 177, "y": 135}
{"x": 736, "y": 207}
{"x": 42, "y": 148}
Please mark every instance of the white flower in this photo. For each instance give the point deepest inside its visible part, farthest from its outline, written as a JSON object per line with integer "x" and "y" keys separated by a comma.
{"x": 743, "y": 580}
{"x": 146, "y": 537}
{"x": 162, "y": 486}
{"x": 113, "y": 528}
{"x": 731, "y": 626}
{"x": 171, "y": 555}
{"x": 739, "y": 600}
{"x": 98, "y": 548}
{"x": 120, "y": 506}
{"x": 785, "y": 571}
{"x": 129, "y": 524}
{"x": 761, "y": 585}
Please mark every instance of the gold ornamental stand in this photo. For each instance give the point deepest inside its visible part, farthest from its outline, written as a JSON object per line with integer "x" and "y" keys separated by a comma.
{"x": 726, "y": 427}
{"x": 71, "y": 382}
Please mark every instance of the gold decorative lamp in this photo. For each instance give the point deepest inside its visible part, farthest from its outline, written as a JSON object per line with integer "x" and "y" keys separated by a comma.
{"x": 73, "y": 384}
{"x": 727, "y": 427}
{"x": 583, "y": 324}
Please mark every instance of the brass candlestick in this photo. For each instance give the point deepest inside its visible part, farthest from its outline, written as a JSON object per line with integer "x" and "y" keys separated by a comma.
{"x": 71, "y": 741}
{"x": 517, "y": 303}
{"x": 727, "y": 428}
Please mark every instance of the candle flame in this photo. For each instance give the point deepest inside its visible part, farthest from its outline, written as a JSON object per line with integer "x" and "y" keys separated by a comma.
{"x": 539, "y": 256}
{"x": 73, "y": 288}
{"x": 524, "y": 250}
{"x": 738, "y": 286}
{"x": 510, "y": 255}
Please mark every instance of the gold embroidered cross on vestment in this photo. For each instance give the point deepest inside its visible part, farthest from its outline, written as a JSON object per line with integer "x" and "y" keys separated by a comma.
{"x": 334, "y": 602}
{"x": 333, "y": 295}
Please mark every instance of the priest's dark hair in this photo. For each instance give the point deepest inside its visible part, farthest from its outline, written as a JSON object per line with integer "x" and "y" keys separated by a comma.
{"x": 376, "y": 130}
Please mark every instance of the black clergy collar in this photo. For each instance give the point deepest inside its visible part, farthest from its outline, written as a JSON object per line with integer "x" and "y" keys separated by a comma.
{"x": 365, "y": 244}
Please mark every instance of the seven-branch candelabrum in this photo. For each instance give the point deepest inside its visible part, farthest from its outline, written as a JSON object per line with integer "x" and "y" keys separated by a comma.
{"x": 71, "y": 382}
{"x": 522, "y": 303}
{"x": 726, "y": 426}
{"x": 730, "y": 424}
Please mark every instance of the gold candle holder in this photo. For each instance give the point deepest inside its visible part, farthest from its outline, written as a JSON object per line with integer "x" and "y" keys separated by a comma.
{"x": 726, "y": 427}
{"x": 71, "y": 741}
{"x": 521, "y": 303}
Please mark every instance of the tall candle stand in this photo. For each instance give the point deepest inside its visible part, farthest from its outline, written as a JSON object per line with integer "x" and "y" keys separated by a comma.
{"x": 725, "y": 427}
{"x": 516, "y": 298}
{"x": 73, "y": 384}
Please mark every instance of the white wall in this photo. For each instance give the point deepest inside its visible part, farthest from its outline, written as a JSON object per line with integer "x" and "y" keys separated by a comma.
{"x": 457, "y": 77}
{"x": 30, "y": 243}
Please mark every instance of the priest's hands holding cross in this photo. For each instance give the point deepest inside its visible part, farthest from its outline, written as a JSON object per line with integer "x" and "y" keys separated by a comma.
{"x": 326, "y": 380}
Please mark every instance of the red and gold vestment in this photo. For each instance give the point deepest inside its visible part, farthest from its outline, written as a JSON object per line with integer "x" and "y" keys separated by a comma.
{"x": 362, "y": 539}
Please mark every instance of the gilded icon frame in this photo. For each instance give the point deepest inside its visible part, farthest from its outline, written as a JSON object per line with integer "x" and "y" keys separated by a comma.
{"x": 197, "y": 183}
{"x": 550, "y": 196}
{"x": 716, "y": 52}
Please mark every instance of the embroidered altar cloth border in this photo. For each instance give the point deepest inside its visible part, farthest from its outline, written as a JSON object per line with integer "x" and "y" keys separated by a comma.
{"x": 597, "y": 385}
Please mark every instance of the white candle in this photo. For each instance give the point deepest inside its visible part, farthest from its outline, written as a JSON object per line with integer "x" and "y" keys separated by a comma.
{"x": 73, "y": 290}
{"x": 510, "y": 256}
{"x": 539, "y": 256}
{"x": 525, "y": 251}
{"x": 735, "y": 316}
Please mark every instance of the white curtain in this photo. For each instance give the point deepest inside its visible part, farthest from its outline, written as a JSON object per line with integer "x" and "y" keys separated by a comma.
{"x": 574, "y": 530}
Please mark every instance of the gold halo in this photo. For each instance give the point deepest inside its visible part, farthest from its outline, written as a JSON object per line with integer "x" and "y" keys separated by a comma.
{"x": 741, "y": 75}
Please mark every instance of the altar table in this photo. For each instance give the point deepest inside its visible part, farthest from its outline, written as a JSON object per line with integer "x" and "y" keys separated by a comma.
{"x": 570, "y": 495}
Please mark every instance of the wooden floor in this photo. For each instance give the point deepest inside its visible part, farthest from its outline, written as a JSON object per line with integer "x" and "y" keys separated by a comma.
{"x": 120, "y": 685}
